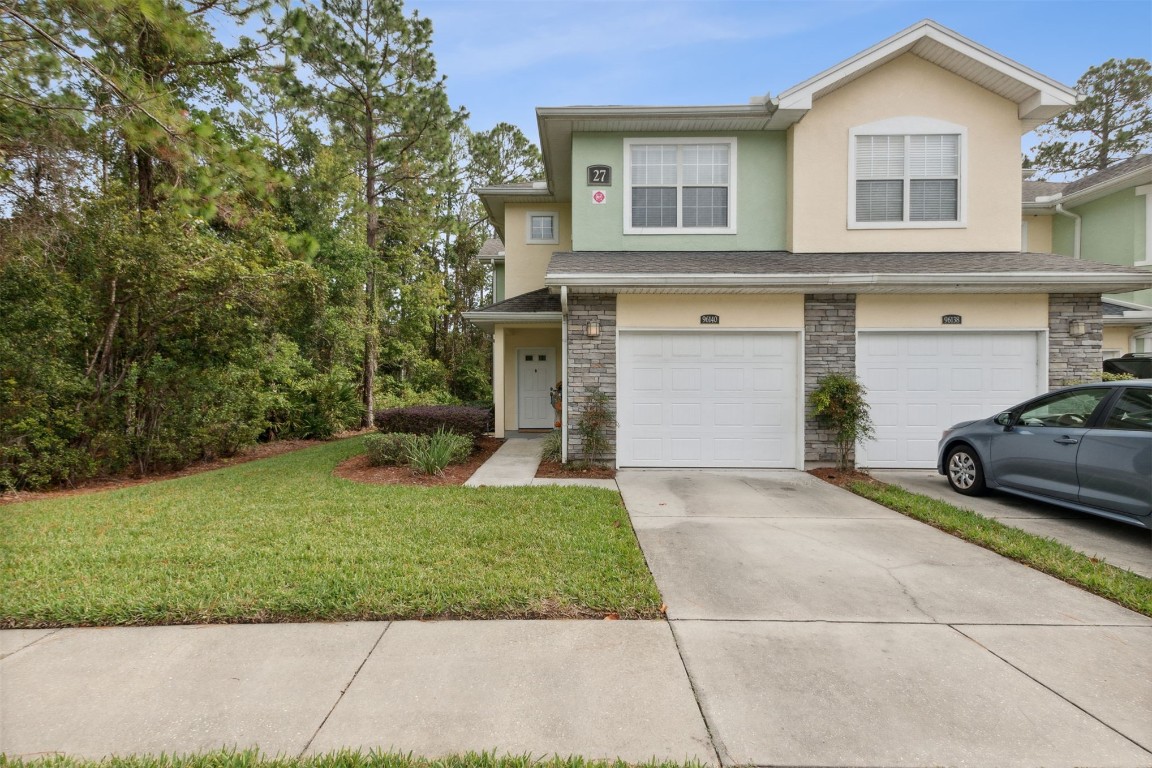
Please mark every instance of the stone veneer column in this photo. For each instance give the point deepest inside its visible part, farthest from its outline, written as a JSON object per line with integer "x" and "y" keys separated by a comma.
{"x": 591, "y": 363}
{"x": 1073, "y": 359}
{"x": 829, "y": 347}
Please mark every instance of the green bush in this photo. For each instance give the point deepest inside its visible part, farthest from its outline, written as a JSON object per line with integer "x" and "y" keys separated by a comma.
{"x": 552, "y": 446}
{"x": 389, "y": 449}
{"x": 595, "y": 419}
{"x": 429, "y": 454}
{"x": 838, "y": 403}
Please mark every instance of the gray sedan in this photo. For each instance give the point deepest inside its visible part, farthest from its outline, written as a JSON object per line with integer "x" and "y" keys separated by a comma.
{"x": 1088, "y": 448}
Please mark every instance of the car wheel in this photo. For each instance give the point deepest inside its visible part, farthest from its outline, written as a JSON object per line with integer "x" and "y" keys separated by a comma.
{"x": 965, "y": 473}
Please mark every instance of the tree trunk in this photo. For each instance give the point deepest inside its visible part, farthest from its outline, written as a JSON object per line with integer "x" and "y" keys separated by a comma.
{"x": 371, "y": 318}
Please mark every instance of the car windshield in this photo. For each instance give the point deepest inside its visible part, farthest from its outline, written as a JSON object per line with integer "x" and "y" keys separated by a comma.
{"x": 1063, "y": 409}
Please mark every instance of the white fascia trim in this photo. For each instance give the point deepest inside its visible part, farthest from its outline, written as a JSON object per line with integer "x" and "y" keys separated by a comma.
{"x": 512, "y": 318}
{"x": 1100, "y": 190}
{"x": 975, "y": 279}
{"x": 1049, "y": 91}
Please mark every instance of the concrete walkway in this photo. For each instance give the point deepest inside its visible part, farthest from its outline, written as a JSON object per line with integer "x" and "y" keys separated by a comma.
{"x": 819, "y": 628}
{"x": 516, "y": 462}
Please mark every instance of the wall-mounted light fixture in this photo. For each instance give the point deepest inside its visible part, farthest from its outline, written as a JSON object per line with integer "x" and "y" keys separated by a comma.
{"x": 1076, "y": 328}
{"x": 592, "y": 330}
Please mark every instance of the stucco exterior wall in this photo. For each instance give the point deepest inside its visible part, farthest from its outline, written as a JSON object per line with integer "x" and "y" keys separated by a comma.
{"x": 1117, "y": 338}
{"x": 684, "y": 311}
{"x": 511, "y": 338}
{"x": 524, "y": 263}
{"x": 913, "y": 311}
{"x": 1113, "y": 231}
{"x": 906, "y": 87}
{"x": 1039, "y": 234}
{"x": 761, "y": 197}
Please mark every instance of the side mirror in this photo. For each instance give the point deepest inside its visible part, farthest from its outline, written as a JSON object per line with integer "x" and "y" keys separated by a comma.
{"x": 1005, "y": 419}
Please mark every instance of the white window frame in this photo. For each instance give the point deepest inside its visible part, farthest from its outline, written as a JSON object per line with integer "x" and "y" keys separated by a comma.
{"x": 908, "y": 126}
{"x": 679, "y": 229}
{"x": 529, "y": 240}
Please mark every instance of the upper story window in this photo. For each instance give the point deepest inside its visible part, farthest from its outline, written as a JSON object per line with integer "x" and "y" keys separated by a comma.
{"x": 681, "y": 186}
{"x": 541, "y": 227}
{"x": 907, "y": 172}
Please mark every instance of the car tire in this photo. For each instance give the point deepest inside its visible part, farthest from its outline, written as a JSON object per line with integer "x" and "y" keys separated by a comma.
{"x": 964, "y": 471}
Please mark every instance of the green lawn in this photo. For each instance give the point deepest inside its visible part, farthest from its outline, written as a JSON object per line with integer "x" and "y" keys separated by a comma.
{"x": 1047, "y": 555}
{"x": 281, "y": 539}
{"x": 342, "y": 759}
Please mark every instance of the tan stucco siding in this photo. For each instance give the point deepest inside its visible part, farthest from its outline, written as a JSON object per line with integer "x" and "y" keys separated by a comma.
{"x": 1039, "y": 234}
{"x": 511, "y": 339}
{"x": 684, "y": 311}
{"x": 915, "y": 311}
{"x": 906, "y": 87}
{"x": 525, "y": 263}
{"x": 1117, "y": 337}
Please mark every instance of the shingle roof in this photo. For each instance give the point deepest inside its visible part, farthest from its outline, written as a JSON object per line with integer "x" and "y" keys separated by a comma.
{"x": 1131, "y": 165}
{"x": 493, "y": 246}
{"x": 1112, "y": 310}
{"x": 1035, "y": 189}
{"x": 786, "y": 263}
{"x": 534, "y": 301}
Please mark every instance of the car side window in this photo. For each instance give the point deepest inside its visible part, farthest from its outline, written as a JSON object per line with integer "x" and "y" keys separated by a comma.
{"x": 1132, "y": 411}
{"x": 1063, "y": 409}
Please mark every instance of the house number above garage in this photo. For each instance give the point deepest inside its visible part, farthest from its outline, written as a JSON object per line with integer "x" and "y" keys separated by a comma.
{"x": 709, "y": 319}
{"x": 951, "y": 320}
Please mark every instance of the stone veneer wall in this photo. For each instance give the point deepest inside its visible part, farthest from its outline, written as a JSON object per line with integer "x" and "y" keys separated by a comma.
{"x": 591, "y": 363}
{"x": 1072, "y": 359}
{"x": 829, "y": 347}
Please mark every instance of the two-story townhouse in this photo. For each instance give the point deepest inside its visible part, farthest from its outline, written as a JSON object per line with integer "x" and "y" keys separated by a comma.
{"x": 1101, "y": 217}
{"x": 704, "y": 266}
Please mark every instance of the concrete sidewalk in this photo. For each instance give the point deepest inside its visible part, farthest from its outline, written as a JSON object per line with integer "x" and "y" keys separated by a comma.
{"x": 516, "y": 462}
{"x": 596, "y": 688}
{"x": 819, "y": 628}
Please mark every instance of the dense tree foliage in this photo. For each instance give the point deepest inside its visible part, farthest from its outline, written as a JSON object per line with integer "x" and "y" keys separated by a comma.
{"x": 205, "y": 243}
{"x": 1113, "y": 122}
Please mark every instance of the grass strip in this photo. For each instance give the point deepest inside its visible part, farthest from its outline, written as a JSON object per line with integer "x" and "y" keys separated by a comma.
{"x": 1047, "y": 555}
{"x": 282, "y": 539}
{"x": 340, "y": 759}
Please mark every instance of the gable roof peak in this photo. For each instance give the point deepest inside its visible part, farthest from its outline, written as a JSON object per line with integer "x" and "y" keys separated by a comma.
{"x": 1039, "y": 98}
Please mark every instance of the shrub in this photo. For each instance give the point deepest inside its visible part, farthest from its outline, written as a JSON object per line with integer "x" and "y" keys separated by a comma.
{"x": 429, "y": 454}
{"x": 428, "y": 419}
{"x": 389, "y": 449}
{"x": 595, "y": 418}
{"x": 838, "y": 403}
{"x": 552, "y": 446}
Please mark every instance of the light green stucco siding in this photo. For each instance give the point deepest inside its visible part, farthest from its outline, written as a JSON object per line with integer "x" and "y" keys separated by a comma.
{"x": 760, "y": 198}
{"x": 498, "y": 282}
{"x": 1113, "y": 231}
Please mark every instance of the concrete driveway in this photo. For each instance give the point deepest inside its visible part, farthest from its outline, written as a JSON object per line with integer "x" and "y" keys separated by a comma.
{"x": 818, "y": 628}
{"x": 1121, "y": 544}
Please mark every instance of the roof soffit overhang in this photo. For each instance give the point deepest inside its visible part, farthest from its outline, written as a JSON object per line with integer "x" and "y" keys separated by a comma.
{"x": 495, "y": 199}
{"x": 489, "y": 320}
{"x": 967, "y": 282}
{"x": 1038, "y": 98}
{"x": 1136, "y": 178}
{"x": 557, "y": 125}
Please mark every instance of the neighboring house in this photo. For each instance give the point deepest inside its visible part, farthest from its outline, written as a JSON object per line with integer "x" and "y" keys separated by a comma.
{"x": 1102, "y": 217}
{"x": 704, "y": 266}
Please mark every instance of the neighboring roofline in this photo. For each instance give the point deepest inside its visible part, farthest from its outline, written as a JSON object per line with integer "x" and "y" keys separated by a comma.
{"x": 1095, "y": 191}
{"x": 495, "y": 198}
{"x": 963, "y": 282}
{"x": 1127, "y": 304}
{"x": 1049, "y": 97}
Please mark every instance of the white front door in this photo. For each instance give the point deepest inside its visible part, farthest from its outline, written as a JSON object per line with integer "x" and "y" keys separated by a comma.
{"x": 707, "y": 399}
{"x": 535, "y": 375}
{"x": 922, "y": 382}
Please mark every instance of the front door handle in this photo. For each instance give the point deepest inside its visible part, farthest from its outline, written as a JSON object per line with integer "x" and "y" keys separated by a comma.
{"x": 1066, "y": 441}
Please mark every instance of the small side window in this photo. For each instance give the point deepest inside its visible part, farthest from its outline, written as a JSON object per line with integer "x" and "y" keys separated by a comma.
{"x": 1133, "y": 411}
{"x": 541, "y": 227}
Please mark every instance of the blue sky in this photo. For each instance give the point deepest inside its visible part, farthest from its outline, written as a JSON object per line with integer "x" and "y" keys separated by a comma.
{"x": 503, "y": 58}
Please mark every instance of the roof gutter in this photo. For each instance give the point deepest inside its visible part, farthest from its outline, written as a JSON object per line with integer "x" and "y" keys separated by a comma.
{"x": 790, "y": 282}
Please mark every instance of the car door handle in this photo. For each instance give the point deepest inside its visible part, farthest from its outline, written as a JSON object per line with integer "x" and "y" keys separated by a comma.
{"x": 1066, "y": 441}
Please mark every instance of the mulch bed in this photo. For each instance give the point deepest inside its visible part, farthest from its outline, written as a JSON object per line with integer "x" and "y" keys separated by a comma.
{"x": 571, "y": 471}
{"x": 843, "y": 478}
{"x": 358, "y": 469}
{"x": 96, "y": 484}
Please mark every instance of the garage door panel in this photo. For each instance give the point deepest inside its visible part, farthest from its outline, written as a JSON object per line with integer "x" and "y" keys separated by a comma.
{"x": 724, "y": 399}
{"x": 920, "y": 383}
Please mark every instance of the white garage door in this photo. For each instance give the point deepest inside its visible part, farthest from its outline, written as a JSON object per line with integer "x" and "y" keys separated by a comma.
{"x": 707, "y": 399}
{"x": 920, "y": 383}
